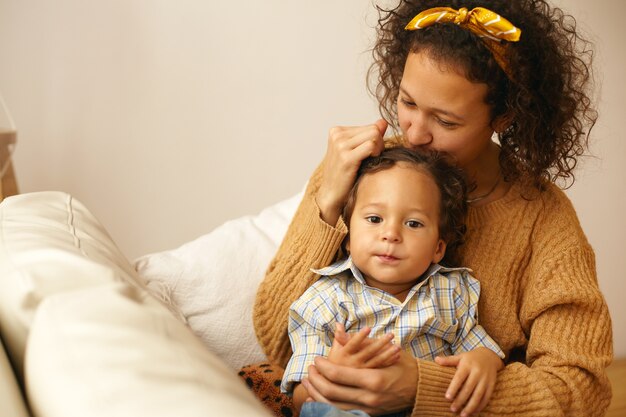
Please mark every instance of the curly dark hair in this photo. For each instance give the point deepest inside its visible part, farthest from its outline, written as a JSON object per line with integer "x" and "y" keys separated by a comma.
{"x": 449, "y": 179}
{"x": 546, "y": 93}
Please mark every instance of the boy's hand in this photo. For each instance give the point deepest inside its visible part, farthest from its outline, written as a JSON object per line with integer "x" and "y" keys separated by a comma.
{"x": 359, "y": 351}
{"x": 474, "y": 380}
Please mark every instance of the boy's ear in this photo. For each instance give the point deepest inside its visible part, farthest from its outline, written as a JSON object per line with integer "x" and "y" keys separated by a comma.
{"x": 440, "y": 251}
{"x": 346, "y": 244}
{"x": 345, "y": 247}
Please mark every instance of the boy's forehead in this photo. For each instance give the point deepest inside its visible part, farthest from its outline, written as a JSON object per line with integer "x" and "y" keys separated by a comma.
{"x": 403, "y": 168}
{"x": 401, "y": 176}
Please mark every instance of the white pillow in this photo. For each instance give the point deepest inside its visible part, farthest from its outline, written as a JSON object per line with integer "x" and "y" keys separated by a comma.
{"x": 212, "y": 281}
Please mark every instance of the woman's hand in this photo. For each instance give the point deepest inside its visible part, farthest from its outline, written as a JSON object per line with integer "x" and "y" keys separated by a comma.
{"x": 347, "y": 147}
{"x": 375, "y": 391}
{"x": 474, "y": 379}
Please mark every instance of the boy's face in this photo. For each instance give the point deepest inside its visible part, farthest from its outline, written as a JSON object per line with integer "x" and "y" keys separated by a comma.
{"x": 394, "y": 228}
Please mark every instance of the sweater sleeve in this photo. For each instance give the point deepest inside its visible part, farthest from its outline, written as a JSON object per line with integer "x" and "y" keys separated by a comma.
{"x": 568, "y": 326}
{"x": 309, "y": 243}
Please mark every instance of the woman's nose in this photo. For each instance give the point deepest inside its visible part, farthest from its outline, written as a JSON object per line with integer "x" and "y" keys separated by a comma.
{"x": 418, "y": 133}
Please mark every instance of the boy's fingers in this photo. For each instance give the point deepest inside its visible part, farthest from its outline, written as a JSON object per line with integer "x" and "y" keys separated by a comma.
{"x": 464, "y": 393}
{"x": 377, "y": 358}
{"x": 375, "y": 348}
{"x": 447, "y": 360}
{"x": 490, "y": 387}
{"x": 384, "y": 358}
{"x": 475, "y": 400}
{"x": 341, "y": 336}
{"x": 354, "y": 344}
{"x": 457, "y": 381}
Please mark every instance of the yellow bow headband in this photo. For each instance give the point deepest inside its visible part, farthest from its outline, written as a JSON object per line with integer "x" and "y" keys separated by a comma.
{"x": 489, "y": 26}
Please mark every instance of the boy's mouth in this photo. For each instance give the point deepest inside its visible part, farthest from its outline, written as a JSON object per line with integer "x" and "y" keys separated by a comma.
{"x": 387, "y": 258}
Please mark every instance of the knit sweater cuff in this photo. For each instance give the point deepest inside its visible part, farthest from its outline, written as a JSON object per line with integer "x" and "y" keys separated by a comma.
{"x": 432, "y": 384}
{"x": 320, "y": 235}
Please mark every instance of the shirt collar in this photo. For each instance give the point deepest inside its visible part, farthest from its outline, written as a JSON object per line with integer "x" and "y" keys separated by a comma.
{"x": 339, "y": 267}
{"x": 347, "y": 264}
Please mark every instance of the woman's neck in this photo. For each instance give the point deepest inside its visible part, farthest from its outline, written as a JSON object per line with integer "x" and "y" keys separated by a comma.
{"x": 485, "y": 176}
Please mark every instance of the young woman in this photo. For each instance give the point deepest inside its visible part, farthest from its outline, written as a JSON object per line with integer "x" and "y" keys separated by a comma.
{"x": 448, "y": 78}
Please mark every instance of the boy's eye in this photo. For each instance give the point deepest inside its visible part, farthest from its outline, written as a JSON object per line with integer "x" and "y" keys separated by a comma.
{"x": 413, "y": 224}
{"x": 374, "y": 219}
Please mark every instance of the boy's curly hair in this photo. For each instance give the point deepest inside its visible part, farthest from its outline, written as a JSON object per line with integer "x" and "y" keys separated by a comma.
{"x": 546, "y": 97}
{"x": 449, "y": 179}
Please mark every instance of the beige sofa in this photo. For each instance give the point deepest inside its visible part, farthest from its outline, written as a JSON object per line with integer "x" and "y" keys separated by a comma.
{"x": 81, "y": 334}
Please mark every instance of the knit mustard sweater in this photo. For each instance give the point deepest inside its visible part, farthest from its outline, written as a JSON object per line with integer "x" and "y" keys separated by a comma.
{"x": 540, "y": 301}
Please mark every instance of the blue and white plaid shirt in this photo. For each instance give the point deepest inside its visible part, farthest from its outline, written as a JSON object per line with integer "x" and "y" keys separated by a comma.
{"x": 438, "y": 317}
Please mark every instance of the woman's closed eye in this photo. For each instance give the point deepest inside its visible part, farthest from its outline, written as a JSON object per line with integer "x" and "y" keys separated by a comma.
{"x": 407, "y": 103}
{"x": 446, "y": 123}
{"x": 441, "y": 121}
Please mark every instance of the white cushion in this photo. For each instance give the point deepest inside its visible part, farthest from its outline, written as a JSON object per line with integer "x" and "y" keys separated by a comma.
{"x": 50, "y": 243}
{"x": 212, "y": 281}
{"x": 110, "y": 351}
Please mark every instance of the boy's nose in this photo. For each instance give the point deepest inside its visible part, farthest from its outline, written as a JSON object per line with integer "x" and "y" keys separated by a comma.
{"x": 391, "y": 233}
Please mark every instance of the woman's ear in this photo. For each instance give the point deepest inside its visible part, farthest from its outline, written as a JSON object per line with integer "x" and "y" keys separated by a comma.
{"x": 502, "y": 122}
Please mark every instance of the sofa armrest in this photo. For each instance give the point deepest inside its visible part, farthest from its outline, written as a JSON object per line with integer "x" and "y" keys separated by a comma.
{"x": 88, "y": 337}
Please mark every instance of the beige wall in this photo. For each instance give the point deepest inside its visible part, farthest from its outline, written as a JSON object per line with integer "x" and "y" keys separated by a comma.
{"x": 169, "y": 117}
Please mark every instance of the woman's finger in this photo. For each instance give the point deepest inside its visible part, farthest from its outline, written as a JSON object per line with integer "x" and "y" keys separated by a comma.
{"x": 314, "y": 394}
{"x": 347, "y": 147}
{"x": 345, "y": 142}
{"x": 322, "y": 389}
{"x": 339, "y": 132}
{"x": 357, "y": 137}
{"x": 344, "y": 376}
{"x": 376, "y": 391}
{"x": 317, "y": 396}
{"x": 382, "y": 125}
{"x": 371, "y": 147}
